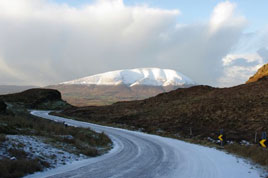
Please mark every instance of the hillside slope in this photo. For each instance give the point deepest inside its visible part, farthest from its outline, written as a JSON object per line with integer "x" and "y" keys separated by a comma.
{"x": 263, "y": 71}
{"x": 240, "y": 111}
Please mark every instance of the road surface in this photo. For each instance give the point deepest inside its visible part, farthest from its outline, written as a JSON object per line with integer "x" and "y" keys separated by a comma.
{"x": 140, "y": 155}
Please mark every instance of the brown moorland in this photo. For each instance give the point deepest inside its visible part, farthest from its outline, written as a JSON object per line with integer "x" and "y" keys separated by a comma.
{"x": 241, "y": 111}
{"x": 99, "y": 95}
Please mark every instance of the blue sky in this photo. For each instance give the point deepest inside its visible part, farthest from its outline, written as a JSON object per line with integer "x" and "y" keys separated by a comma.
{"x": 218, "y": 43}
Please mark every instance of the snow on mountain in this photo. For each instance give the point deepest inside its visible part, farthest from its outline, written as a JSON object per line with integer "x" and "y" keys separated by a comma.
{"x": 132, "y": 77}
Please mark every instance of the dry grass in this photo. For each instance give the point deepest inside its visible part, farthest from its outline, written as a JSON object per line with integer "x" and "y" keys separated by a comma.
{"x": 254, "y": 152}
{"x": 240, "y": 111}
{"x": 17, "y": 153}
{"x": 18, "y": 168}
{"x": 84, "y": 141}
{"x": 20, "y": 165}
{"x": 81, "y": 138}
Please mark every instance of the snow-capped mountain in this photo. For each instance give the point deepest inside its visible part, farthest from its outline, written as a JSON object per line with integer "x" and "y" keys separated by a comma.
{"x": 132, "y": 77}
{"x": 122, "y": 85}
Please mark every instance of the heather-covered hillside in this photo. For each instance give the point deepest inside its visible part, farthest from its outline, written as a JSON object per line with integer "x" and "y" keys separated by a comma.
{"x": 240, "y": 111}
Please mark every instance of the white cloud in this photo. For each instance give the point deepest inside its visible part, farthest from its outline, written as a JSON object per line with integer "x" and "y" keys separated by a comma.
{"x": 230, "y": 58}
{"x": 50, "y": 43}
{"x": 224, "y": 15}
{"x": 234, "y": 75}
{"x": 246, "y": 57}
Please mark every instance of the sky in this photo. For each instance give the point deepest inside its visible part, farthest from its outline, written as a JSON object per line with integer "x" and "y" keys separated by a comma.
{"x": 217, "y": 43}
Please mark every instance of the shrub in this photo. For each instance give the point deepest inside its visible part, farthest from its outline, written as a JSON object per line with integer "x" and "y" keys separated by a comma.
{"x": 90, "y": 152}
{"x": 29, "y": 125}
{"x": 18, "y": 168}
{"x": 19, "y": 154}
{"x": 84, "y": 140}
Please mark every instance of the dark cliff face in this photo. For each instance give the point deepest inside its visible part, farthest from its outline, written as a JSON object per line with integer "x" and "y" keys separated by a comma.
{"x": 36, "y": 99}
{"x": 3, "y": 107}
{"x": 262, "y": 72}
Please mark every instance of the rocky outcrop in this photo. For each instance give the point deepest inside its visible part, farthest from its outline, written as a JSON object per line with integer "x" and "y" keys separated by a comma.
{"x": 37, "y": 99}
{"x": 262, "y": 72}
{"x": 3, "y": 107}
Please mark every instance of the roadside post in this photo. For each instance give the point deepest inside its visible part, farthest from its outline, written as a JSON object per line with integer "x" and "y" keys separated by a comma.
{"x": 221, "y": 137}
{"x": 191, "y": 132}
{"x": 264, "y": 142}
{"x": 256, "y": 134}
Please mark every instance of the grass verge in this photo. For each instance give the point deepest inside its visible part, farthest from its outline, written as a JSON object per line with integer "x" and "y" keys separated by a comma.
{"x": 85, "y": 140}
{"x": 80, "y": 140}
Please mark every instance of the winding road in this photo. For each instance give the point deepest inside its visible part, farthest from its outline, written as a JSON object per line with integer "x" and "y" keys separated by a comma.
{"x": 140, "y": 155}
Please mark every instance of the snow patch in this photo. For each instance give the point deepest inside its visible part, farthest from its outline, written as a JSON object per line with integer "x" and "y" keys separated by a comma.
{"x": 36, "y": 148}
{"x": 132, "y": 77}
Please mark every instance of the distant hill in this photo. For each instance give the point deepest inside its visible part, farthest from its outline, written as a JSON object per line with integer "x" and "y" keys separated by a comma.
{"x": 121, "y": 85}
{"x": 263, "y": 71}
{"x": 8, "y": 89}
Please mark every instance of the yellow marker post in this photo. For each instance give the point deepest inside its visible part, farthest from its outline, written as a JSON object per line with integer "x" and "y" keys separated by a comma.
{"x": 220, "y": 137}
{"x": 262, "y": 143}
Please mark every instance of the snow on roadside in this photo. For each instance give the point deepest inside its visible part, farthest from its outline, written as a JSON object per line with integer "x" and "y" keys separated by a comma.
{"x": 36, "y": 147}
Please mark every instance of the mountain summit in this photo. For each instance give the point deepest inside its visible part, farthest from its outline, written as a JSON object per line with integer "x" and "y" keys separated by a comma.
{"x": 121, "y": 85}
{"x": 132, "y": 77}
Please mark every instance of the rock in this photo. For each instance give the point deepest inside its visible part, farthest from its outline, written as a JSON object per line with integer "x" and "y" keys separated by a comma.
{"x": 37, "y": 99}
{"x": 261, "y": 73}
{"x": 3, "y": 107}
